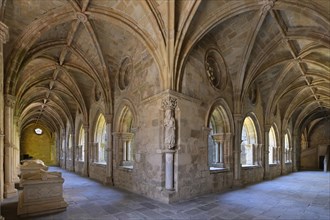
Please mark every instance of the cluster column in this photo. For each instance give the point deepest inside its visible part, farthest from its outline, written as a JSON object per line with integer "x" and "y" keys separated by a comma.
{"x": 9, "y": 147}
{"x": 169, "y": 104}
{"x": 3, "y": 39}
{"x": 237, "y": 148}
{"x": 109, "y": 169}
{"x": 266, "y": 152}
{"x": 86, "y": 148}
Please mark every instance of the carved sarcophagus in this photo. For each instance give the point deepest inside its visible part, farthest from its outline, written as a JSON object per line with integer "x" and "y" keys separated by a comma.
{"x": 42, "y": 193}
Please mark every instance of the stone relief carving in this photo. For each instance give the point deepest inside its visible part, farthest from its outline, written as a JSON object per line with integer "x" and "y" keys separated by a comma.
{"x": 125, "y": 73}
{"x": 97, "y": 93}
{"x": 169, "y": 104}
{"x": 169, "y": 124}
{"x": 10, "y": 101}
{"x": 253, "y": 93}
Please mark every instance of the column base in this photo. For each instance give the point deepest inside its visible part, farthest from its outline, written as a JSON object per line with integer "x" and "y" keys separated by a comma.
{"x": 267, "y": 177}
{"x": 108, "y": 181}
{"x": 16, "y": 179}
{"x": 10, "y": 191}
{"x": 237, "y": 184}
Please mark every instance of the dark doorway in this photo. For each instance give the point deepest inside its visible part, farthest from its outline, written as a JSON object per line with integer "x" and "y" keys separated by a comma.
{"x": 321, "y": 164}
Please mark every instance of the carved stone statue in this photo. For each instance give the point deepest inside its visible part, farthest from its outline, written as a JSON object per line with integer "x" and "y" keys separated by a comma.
{"x": 169, "y": 124}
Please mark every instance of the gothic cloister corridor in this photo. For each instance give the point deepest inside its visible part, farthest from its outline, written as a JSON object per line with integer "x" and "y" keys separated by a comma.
{"x": 172, "y": 102}
{"x": 299, "y": 195}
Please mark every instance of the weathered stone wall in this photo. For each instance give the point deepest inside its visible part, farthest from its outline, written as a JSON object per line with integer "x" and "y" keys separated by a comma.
{"x": 97, "y": 172}
{"x": 287, "y": 168}
{"x": 250, "y": 175}
{"x": 69, "y": 164}
{"x": 318, "y": 141}
{"x": 79, "y": 166}
{"x": 38, "y": 146}
{"x": 137, "y": 93}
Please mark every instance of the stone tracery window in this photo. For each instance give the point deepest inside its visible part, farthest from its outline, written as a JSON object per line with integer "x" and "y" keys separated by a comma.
{"x": 219, "y": 139}
{"x": 249, "y": 145}
{"x": 101, "y": 140}
{"x": 287, "y": 147}
{"x": 124, "y": 138}
{"x": 81, "y": 144}
{"x": 272, "y": 147}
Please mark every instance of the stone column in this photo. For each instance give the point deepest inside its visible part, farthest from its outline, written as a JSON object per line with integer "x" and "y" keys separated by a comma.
{"x": 260, "y": 151}
{"x": 117, "y": 153}
{"x": 4, "y": 34}
{"x": 64, "y": 148}
{"x": 86, "y": 150}
{"x": 9, "y": 147}
{"x": 16, "y": 149}
{"x": 73, "y": 151}
{"x": 266, "y": 151}
{"x": 125, "y": 150}
{"x": 238, "y": 120}
{"x": 108, "y": 119}
{"x": 295, "y": 152}
{"x": 221, "y": 151}
{"x": 228, "y": 159}
{"x": 169, "y": 104}
{"x": 219, "y": 139}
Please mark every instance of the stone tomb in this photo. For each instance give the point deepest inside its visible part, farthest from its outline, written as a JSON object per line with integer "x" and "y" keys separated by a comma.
{"x": 42, "y": 193}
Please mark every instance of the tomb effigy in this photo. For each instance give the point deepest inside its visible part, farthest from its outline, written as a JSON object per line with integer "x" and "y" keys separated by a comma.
{"x": 42, "y": 193}
{"x": 29, "y": 166}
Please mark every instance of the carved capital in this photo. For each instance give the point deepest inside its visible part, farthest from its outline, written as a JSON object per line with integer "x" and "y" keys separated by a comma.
{"x": 169, "y": 103}
{"x": 86, "y": 127}
{"x": 4, "y": 33}
{"x": 108, "y": 118}
{"x": 10, "y": 100}
{"x": 238, "y": 117}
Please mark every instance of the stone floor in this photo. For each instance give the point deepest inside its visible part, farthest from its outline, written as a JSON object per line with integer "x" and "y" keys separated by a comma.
{"x": 301, "y": 195}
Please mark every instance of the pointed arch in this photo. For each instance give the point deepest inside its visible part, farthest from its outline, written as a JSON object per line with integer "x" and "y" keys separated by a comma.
{"x": 250, "y": 149}
{"x": 220, "y": 125}
{"x": 100, "y": 139}
{"x": 126, "y": 121}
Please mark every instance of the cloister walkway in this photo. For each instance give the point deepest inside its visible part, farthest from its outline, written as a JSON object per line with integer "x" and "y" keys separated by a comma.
{"x": 300, "y": 195}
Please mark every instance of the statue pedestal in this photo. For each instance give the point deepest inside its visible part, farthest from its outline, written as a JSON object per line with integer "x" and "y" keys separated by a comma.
{"x": 169, "y": 170}
{"x": 42, "y": 193}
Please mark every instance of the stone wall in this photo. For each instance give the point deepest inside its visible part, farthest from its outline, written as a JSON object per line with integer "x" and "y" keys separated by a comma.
{"x": 274, "y": 171}
{"x": 250, "y": 175}
{"x": 97, "y": 172}
{"x": 318, "y": 141}
{"x": 38, "y": 146}
{"x": 79, "y": 166}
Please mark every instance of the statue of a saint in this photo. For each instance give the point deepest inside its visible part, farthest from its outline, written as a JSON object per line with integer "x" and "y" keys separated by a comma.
{"x": 169, "y": 124}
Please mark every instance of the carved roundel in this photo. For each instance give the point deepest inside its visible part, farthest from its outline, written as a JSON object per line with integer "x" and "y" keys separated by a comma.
{"x": 215, "y": 69}
{"x": 125, "y": 73}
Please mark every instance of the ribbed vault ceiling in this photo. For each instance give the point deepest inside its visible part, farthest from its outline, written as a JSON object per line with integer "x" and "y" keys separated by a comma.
{"x": 61, "y": 50}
